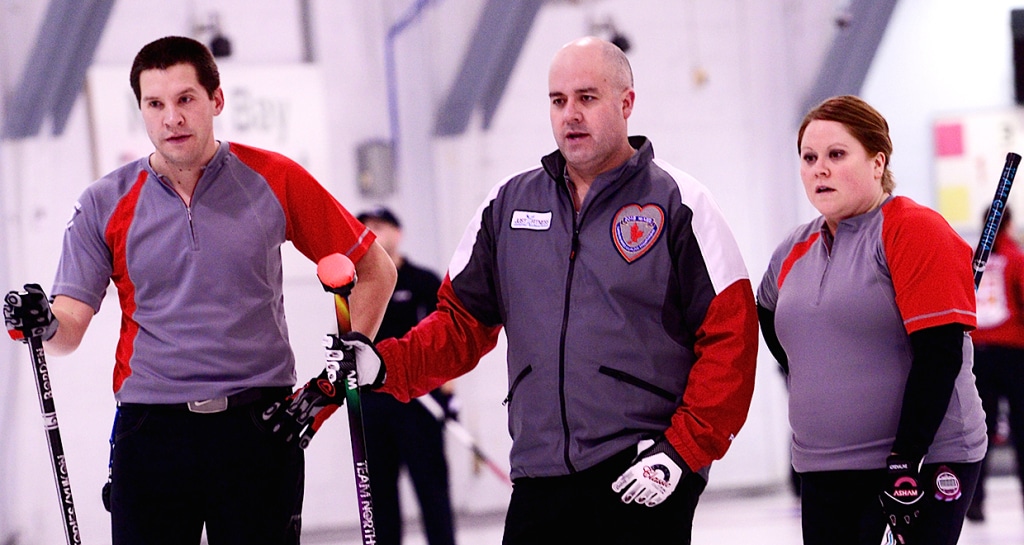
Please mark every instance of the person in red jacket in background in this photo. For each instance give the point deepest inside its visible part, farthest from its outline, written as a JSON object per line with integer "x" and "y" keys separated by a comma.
{"x": 999, "y": 349}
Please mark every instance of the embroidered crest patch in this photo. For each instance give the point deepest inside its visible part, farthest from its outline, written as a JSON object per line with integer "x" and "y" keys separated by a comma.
{"x": 636, "y": 228}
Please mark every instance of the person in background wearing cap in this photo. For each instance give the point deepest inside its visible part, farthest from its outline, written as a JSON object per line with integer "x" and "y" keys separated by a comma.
{"x": 406, "y": 434}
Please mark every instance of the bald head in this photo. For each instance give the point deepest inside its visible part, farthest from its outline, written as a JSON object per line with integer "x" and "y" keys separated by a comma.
{"x": 590, "y": 88}
{"x": 614, "y": 61}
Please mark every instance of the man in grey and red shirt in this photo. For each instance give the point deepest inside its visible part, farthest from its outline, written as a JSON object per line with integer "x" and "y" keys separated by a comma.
{"x": 191, "y": 238}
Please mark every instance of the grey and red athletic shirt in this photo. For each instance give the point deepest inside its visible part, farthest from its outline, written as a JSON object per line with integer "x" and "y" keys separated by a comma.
{"x": 631, "y": 318}
{"x": 844, "y": 309}
{"x": 200, "y": 286}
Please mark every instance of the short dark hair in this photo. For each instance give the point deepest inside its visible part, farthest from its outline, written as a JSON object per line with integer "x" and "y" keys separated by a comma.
{"x": 171, "y": 50}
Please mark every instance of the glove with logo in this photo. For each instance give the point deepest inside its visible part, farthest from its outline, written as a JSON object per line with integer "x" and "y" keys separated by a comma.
{"x": 301, "y": 414}
{"x": 28, "y": 314}
{"x": 354, "y": 350}
{"x": 901, "y": 496}
{"x": 655, "y": 472}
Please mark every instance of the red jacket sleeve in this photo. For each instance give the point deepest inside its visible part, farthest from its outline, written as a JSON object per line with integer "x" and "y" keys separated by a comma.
{"x": 446, "y": 344}
{"x": 721, "y": 383}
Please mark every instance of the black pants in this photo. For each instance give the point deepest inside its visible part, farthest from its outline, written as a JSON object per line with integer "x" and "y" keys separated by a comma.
{"x": 406, "y": 434}
{"x": 842, "y": 507}
{"x": 174, "y": 471}
{"x": 1000, "y": 374}
{"x": 582, "y": 508}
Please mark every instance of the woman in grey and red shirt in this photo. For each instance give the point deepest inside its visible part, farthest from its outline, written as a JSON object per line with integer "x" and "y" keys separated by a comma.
{"x": 867, "y": 307}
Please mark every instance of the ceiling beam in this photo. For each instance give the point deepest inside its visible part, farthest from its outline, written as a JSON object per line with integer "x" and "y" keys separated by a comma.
{"x": 489, "y": 60}
{"x": 55, "y": 72}
{"x": 860, "y": 30}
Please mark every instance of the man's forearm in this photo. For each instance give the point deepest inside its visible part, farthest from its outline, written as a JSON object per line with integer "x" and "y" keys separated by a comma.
{"x": 375, "y": 283}
{"x": 74, "y": 317}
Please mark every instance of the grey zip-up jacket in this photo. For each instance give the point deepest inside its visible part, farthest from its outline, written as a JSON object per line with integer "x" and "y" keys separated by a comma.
{"x": 632, "y": 318}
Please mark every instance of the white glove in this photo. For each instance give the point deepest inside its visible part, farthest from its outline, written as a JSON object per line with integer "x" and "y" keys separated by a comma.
{"x": 355, "y": 351}
{"x": 655, "y": 472}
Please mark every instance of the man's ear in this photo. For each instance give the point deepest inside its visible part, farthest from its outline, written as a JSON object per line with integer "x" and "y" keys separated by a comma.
{"x": 218, "y": 100}
{"x": 628, "y": 97}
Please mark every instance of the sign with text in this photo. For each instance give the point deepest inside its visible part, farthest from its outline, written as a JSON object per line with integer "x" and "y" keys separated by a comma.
{"x": 969, "y": 153}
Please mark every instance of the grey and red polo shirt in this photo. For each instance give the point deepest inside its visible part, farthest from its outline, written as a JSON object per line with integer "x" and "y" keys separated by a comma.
{"x": 200, "y": 286}
{"x": 844, "y": 309}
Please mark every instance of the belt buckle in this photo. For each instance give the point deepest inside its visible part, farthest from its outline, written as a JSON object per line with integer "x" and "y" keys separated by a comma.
{"x": 209, "y": 406}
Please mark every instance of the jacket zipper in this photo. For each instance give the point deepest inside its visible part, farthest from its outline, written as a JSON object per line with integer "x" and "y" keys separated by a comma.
{"x": 639, "y": 383}
{"x": 515, "y": 383}
{"x": 561, "y": 344}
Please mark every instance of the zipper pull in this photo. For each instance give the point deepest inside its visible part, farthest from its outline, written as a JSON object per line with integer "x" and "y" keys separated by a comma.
{"x": 575, "y": 242}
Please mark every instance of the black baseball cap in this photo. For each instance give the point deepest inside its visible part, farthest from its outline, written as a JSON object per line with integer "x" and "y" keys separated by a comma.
{"x": 379, "y": 213}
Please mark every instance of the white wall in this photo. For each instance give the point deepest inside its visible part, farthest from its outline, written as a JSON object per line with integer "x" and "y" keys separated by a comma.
{"x": 735, "y": 132}
{"x": 939, "y": 57}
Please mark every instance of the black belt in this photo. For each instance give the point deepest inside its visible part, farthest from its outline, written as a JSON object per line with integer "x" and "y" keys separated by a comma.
{"x": 219, "y": 404}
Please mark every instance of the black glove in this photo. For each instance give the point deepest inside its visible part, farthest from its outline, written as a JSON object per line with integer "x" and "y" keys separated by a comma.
{"x": 300, "y": 415}
{"x": 354, "y": 350}
{"x": 105, "y": 494}
{"x": 28, "y": 314}
{"x": 901, "y": 497}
